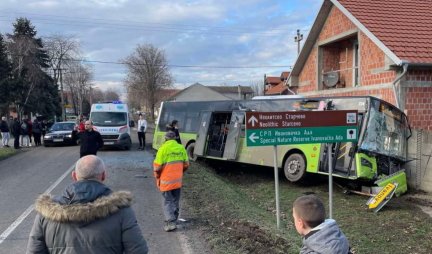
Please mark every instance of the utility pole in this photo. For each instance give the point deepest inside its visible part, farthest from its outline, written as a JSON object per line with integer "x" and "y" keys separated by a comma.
{"x": 297, "y": 39}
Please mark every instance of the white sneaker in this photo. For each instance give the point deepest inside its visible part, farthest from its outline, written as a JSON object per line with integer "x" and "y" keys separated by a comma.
{"x": 170, "y": 226}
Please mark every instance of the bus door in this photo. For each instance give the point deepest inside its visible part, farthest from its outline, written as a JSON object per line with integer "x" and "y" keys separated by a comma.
{"x": 201, "y": 139}
{"x": 344, "y": 156}
{"x": 341, "y": 156}
{"x": 233, "y": 137}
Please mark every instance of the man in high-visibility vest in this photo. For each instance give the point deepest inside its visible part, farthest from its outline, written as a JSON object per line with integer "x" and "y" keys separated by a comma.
{"x": 170, "y": 163}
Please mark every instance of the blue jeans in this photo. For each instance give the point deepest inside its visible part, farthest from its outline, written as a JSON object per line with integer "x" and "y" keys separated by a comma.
{"x": 171, "y": 205}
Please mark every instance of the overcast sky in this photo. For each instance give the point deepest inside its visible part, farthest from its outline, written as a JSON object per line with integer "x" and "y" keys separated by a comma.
{"x": 220, "y": 33}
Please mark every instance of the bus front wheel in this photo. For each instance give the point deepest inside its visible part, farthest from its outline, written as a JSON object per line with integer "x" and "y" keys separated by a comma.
{"x": 190, "y": 152}
{"x": 295, "y": 167}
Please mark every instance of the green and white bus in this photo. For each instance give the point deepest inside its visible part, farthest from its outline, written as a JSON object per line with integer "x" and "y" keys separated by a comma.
{"x": 216, "y": 130}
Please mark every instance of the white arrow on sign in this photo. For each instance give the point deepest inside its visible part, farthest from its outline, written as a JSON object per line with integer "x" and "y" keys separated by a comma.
{"x": 252, "y": 120}
{"x": 252, "y": 137}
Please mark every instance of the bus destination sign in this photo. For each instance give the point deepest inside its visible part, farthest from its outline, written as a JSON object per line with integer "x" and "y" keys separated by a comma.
{"x": 301, "y": 127}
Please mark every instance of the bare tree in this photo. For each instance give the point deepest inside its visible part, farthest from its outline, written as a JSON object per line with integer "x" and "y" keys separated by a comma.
{"x": 111, "y": 95}
{"x": 61, "y": 49}
{"x": 78, "y": 81}
{"x": 258, "y": 87}
{"x": 147, "y": 74}
{"x": 96, "y": 95}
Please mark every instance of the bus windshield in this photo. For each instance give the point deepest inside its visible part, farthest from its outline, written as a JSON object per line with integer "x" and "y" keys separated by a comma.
{"x": 387, "y": 131}
{"x": 109, "y": 118}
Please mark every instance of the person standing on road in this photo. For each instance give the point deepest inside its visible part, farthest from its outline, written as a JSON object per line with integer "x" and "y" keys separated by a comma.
{"x": 16, "y": 131}
{"x": 44, "y": 127}
{"x": 24, "y": 132}
{"x": 87, "y": 218}
{"x": 142, "y": 128}
{"x": 174, "y": 128}
{"x": 37, "y": 131}
{"x": 170, "y": 163}
{"x": 91, "y": 141}
{"x": 4, "y": 128}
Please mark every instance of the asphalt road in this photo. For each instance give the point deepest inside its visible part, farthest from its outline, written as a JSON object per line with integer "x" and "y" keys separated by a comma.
{"x": 37, "y": 170}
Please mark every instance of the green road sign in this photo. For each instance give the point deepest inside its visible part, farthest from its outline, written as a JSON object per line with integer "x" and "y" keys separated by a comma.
{"x": 287, "y": 136}
{"x": 301, "y": 127}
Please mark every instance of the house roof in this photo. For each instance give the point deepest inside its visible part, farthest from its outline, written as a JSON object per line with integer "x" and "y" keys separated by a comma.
{"x": 402, "y": 29}
{"x": 285, "y": 74}
{"x": 166, "y": 93}
{"x": 232, "y": 89}
{"x": 404, "y": 26}
{"x": 222, "y": 90}
{"x": 278, "y": 89}
{"x": 272, "y": 80}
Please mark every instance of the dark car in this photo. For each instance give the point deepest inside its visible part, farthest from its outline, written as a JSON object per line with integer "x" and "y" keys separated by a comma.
{"x": 61, "y": 133}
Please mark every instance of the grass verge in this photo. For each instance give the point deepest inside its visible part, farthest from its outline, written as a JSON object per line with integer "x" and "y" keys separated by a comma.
{"x": 6, "y": 152}
{"x": 235, "y": 208}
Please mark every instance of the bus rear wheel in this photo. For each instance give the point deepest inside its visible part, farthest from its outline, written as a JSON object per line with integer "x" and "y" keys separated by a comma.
{"x": 295, "y": 167}
{"x": 190, "y": 152}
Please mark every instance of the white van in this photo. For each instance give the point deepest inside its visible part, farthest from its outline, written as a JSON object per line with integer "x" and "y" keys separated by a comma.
{"x": 112, "y": 121}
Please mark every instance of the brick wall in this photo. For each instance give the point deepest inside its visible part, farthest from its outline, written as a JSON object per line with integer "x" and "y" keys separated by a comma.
{"x": 335, "y": 24}
{"x": 372, "y": 64}
{"x": 382, "y": 93}
{"x": 372, "y": 59}
{"x": 418, "y": 106}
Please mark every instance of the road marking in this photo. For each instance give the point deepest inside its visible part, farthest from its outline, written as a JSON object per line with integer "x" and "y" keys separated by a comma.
{"x": 26, "y": 213}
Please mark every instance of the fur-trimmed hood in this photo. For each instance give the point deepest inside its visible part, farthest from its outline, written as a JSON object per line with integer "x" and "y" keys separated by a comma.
{"x": 103, "y": 205}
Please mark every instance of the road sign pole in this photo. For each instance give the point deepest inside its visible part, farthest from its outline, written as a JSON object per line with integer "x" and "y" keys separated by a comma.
{"x": 276, "y": 175}
{"x": 330, "y": 171}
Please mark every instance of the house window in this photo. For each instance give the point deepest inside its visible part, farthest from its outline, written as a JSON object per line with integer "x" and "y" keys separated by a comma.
{"x": 338, "y": 63}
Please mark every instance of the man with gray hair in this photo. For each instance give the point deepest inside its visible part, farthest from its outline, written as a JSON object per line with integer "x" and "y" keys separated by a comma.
{"x": 87, "y": 218}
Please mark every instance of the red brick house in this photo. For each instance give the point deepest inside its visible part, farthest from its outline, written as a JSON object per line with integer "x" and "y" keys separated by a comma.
{"x": 369, "y": 47}
{"x": 276, "y": 85}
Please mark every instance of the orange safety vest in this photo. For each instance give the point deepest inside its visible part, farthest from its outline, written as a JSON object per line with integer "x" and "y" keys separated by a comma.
{"x": 170, "y": 163}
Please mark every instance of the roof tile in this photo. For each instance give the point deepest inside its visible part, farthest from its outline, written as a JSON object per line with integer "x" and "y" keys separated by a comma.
{"x": 278, "y": 89}
{"x": 404, "y": 26}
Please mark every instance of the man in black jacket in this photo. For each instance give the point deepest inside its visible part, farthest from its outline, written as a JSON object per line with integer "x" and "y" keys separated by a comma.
{"x": 91, "y": 140}
{"x": 16, "y": 130}
{"x": 87, "y": 218}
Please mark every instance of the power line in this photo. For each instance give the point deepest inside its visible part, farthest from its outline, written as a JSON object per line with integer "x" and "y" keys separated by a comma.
{"x": 159, "y": 27}
{"x": 183, "y": 66}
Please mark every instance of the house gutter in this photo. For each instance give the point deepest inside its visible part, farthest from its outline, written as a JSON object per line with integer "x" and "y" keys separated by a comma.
{"x": 405, "y": 69}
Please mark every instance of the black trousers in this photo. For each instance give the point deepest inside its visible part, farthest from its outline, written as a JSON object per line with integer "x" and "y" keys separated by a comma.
{"x": 37, "y": 139}
{"x": 141, "y": 139}
{"x": 16, "y": 141}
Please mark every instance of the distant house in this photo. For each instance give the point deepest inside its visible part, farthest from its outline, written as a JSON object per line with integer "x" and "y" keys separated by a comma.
{"x": 199, "y": 92}
{"x": 366, "y": 47}
{"x": 276, "y": 85}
